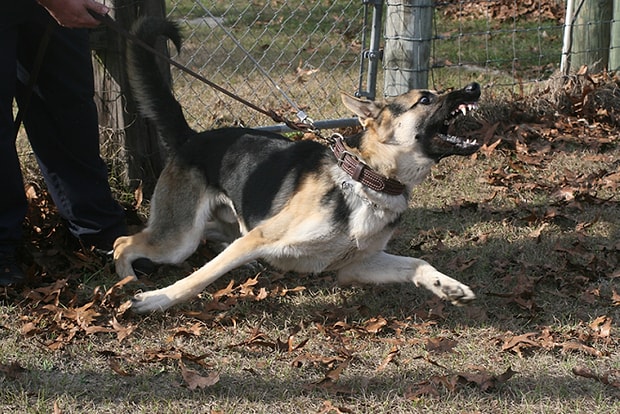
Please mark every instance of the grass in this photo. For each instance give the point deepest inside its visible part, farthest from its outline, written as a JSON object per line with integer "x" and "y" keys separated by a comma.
{"x": 454, "y": 218}
{"x": 542, "y": 264}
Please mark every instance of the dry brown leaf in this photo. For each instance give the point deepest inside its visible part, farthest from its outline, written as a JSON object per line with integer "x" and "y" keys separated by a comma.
{"x": 195, "y": 380}
{"x": 194, "y": 330}
{"x": 29, "y": 328}
{"x": 601, "y": 326}
{"x": 574, "y": 345}
{"x": 123, "y": 307}
{"x": 48, "y": 294}
{"x": 226, "y": 291}
{"x": 301, "y": 360}
{"x": 296, "y": 289}
{"x": 122, "y": 332}
{"x": 519, "y": 343}
{"x": 334, "y": 374}
{"x": 434, "y": 309}
{"x": 484, "y": 379}
{"x": 329, "y": 408}
{"x": 389, "y": 358}
{"x": 375, "y": 325}
{"x": 138, "y": 196}
{"x": 303, "y": 74}
{"x": 330, "y": 382}
{"x": 289, "y": 347}
{"x": 115, "y": 364}
{"x": 120, "y": 284}
{"x": 440, "y": 344}
{"x": 538, "y": 232}
{"x": 422, "y": 389}
{"x": 488, "y": 149}
{"x": 247, "y": 288}
{"x": 31, "y": 192}
{"x": 262, "y": 294}
{"x": 158, "y": 355}
{"x": 611, "y": 377}
{"x": 89, "y": 330}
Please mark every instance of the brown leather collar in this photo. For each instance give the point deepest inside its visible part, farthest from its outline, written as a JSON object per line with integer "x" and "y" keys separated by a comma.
{"x": 361, "y": 172}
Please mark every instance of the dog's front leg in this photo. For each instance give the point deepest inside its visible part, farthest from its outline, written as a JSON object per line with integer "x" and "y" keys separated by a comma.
{"x": 386, "y": 268}
{"x": 240, "y": 252}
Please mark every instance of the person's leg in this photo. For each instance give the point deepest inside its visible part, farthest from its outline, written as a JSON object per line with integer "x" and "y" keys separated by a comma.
{"x": 12, "y": 199}
{"x": 61, "y": 123}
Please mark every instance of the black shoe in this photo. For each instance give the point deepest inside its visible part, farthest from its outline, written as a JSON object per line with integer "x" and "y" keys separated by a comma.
{"x": 11, "y": 274}
{"x": 143, "y": 266}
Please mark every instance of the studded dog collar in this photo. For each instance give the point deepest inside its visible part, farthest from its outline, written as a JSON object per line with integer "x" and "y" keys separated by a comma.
{"x": 362, "y": 173}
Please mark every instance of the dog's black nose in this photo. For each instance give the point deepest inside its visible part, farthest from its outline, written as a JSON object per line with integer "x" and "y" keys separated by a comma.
{"x": 472, "y": 89}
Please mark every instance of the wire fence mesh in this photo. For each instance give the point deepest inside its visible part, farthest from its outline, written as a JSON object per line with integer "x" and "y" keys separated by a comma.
{"x": 308, "y": 51}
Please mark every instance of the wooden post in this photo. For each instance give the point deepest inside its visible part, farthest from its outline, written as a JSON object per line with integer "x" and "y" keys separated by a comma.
{"x": 129, "y": 141}
{"x": 591, "y": 34}
{"x": 408, "y": 33}
{"x": 614, "y": 47}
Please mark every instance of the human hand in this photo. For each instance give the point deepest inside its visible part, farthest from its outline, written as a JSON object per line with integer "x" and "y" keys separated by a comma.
{"x": 74, "y": 13}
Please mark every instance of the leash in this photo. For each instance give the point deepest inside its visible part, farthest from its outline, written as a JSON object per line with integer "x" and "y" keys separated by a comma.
{"x": 351, "y": 164}
{"x": 305, "y": 125}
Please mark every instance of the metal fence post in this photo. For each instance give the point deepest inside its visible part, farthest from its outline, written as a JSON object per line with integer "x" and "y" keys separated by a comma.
{"x": 614, "y": 47}
{"x": 373, "y": 54}
{"x": 408, "y": 35}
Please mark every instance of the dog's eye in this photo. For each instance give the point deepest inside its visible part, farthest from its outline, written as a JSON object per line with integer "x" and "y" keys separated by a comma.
{"x": 425, "y": 100}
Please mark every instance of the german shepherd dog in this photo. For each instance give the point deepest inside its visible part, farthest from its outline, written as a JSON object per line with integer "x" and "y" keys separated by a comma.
{"x": 301, "y": 206}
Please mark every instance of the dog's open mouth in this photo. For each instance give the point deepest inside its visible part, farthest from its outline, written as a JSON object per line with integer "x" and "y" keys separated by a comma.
{"x": 446, "y": 144}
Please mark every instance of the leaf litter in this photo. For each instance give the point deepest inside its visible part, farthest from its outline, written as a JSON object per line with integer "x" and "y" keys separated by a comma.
{"x": 63, "y": 309}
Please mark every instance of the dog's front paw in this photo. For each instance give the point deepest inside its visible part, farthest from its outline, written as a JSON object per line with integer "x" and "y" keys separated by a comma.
{"x": 446, "y": 288}
{"x": 152, "y": 301}
{"x": 457, "y": 293}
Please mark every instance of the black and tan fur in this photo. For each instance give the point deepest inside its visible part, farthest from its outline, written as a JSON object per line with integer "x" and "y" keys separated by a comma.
{"x": 288, "y": 203}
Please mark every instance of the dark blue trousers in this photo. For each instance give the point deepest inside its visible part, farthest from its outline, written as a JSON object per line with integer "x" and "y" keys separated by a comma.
{"x": 61, "y": 124}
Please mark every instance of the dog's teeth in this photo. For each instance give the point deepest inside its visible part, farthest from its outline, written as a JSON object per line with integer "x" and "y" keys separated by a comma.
{"x": 463, "y": 109}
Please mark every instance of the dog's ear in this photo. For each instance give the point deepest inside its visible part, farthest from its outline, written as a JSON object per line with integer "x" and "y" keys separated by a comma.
{"x": 363, "y": 108}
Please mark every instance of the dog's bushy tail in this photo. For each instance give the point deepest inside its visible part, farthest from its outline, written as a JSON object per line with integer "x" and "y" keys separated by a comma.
{"x": 152, "y": 92}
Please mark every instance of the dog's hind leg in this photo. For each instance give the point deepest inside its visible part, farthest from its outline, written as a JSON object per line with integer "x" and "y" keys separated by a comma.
{"x": 386, "y": 268}
{"x": 147, "y": 244}
{"x": 180, "y": 210}
{"x": 243, "y": 250}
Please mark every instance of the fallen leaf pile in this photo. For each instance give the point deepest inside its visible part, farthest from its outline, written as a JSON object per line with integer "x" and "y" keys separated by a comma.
{"x": 590, "y": 340}
{"x": 503, "y": 10}
{"x": 478, "y": 377}
{"x": 56, "y": 323}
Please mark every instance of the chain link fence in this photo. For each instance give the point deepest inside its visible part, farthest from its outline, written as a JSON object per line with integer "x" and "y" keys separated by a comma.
{"x": 279, "y": 54}
{"x": 302, "y": 51}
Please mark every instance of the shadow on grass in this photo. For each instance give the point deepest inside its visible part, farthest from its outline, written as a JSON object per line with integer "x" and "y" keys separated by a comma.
{"x": 533, "y": 273}
{"x": 569, "y": 275}
{"x": 97, "y": 389}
